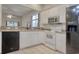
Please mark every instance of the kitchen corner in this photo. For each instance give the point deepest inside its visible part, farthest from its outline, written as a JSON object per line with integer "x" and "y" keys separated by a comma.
{"x": 29, "y": 27}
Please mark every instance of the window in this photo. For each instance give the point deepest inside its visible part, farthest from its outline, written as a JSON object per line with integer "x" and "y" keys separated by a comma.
{"x": 12, "y": 23}
{"x": 35, "y": 20}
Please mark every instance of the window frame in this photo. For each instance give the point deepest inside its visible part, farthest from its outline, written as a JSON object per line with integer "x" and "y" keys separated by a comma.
{"x": 36, "y": 19}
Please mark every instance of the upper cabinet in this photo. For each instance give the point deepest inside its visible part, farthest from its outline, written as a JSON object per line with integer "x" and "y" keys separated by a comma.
{"x": 58, "y": 11}
{"x": 53, "y": 20}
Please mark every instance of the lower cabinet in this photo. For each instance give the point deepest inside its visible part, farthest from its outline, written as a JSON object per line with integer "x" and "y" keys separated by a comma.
{"x": 24, "y": 39}
{"x": 56, "y": 41}
{"x": 50, "y": 39}
{"x": 30, "y": 38}
{"x": 61, "y": 42}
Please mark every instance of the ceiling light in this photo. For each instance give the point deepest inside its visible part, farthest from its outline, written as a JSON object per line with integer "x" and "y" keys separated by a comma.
{"x": 9, "y": 16}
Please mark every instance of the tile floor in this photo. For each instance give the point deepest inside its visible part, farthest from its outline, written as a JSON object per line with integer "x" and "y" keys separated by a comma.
{"x": 40, "y": 49}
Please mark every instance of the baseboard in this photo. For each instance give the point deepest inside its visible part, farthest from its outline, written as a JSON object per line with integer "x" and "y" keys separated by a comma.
{"x": 49, "y": 46}
{"x": 52, "y": 48}
{"x": 31, "y": 46}
{"x": 45, "y": 44}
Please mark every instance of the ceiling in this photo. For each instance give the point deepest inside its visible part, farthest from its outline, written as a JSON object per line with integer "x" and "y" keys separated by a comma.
{"x": 47, "y": 6}
{"x": 22, "y": 9}
{"x": 15, "y": 9}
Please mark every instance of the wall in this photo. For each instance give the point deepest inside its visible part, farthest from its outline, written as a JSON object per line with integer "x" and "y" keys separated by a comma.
{"x": 26, "y": 19}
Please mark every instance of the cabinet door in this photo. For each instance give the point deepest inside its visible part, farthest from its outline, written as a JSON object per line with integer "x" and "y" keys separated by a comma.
{"x": 25, "y": 39}
{"x": 36, "y": 37}
{"x": 61, "y": 42}
{"x": 50, "y": 39}
{"x": 41, "y": 37}
{"x": 29, "y": 38}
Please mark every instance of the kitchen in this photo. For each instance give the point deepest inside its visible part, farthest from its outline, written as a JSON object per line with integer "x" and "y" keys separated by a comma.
{"x": 33, "y": 27}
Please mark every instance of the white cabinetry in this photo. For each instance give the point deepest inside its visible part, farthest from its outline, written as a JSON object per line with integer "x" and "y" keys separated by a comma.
{"x": 61, "y": 42}
{"x": 37, "y": 37}
{"x": 50, "y": 39}
{"x": 31, "y": 38}
{"x": 24, "y": 39}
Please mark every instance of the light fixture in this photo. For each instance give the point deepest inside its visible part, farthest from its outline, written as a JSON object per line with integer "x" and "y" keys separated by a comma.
{"x": 9, "y": 16}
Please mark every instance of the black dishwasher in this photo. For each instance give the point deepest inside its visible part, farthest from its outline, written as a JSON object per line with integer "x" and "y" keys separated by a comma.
{"x": 10, "y": 42}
